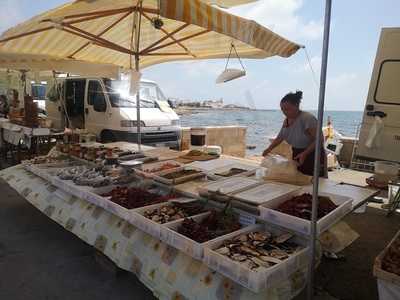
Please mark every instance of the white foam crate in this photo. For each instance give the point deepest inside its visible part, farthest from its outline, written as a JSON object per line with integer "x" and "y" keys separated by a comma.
{"x": 302, "y": 226}
{"x": 265, "y": 192}
{"x": 172, "y": 237}
{"x": 248, "y": 170}
{"x": 256, "y": 281}
{"x": 147, "y": 225}
{"x": 145, "y": 170}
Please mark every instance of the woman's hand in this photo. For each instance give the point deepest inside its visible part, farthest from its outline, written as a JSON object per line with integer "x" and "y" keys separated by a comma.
{"x": 301, "y": 157}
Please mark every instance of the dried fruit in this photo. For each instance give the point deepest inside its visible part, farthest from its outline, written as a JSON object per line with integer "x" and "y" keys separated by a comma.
{"x": 301, "y": 206}
{"x": 214, "y": 225}
{"x": 135, "y": 197}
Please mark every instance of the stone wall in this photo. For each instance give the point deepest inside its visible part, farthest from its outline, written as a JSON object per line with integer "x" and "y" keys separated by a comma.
{"x": 232, "y": 139}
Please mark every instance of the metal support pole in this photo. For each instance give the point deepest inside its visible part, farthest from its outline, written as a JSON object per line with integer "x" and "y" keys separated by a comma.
{"x": 137, "y": 39}
{"x": 139, "y": 134}
{"x": 318, "y": 144}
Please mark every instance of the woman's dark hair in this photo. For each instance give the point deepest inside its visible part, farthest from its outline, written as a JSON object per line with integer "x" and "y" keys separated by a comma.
{"x": 293, "y": 98}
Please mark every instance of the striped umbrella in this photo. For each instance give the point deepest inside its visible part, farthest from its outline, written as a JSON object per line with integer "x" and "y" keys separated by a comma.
{"x": 124, "y": 32}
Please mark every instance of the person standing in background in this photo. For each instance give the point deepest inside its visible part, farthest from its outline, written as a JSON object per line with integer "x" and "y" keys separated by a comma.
{"x": 299, "y": 130}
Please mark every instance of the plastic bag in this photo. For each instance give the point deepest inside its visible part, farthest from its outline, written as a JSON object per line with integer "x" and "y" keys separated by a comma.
{"x": 284, "y": 170}
{"x": 374, "y": 135}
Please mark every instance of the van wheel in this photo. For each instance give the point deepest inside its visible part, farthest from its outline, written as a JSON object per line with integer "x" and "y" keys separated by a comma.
{"x": 107, "y": 137}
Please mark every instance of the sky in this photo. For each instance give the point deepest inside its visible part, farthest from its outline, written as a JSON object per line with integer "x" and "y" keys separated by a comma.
{"x": 355, "y": 30}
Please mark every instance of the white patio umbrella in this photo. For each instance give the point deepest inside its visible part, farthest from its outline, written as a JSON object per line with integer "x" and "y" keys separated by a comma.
{"x": 136, "y": 34}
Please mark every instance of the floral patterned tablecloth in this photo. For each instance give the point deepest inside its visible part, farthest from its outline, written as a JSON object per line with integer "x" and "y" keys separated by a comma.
{"x": 169, "y": 273}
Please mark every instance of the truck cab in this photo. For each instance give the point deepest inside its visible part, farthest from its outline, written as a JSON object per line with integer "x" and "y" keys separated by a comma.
{"x": 380, "y": 129}
{"x": 104, "y": 107}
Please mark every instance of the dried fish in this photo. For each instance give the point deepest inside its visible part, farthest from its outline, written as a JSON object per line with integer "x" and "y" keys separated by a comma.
{"x": 249, "y": 251}
{"x": 259, "y": 249}
{"x": 238, "y": 257}
{"x": 270, "y": 259}
{"x": 223, "y": 251}
{"x": 283, "y": 238}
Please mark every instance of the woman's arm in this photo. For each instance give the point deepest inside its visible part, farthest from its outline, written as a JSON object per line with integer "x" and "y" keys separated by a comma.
{"x": 274, "y": 144}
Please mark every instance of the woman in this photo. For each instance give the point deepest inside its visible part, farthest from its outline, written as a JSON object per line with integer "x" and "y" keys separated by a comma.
{"x": 300, "y": 131}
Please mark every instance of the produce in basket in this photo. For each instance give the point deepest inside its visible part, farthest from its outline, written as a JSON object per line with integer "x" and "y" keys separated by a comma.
{"x": 134, "y": 197}
{"x": 301, "y": 206}
{"x": 259, "y": 250}
{"x": 174, "y": 211}
{"x": 214, "y": 225}
{"x": 391, "y": 260}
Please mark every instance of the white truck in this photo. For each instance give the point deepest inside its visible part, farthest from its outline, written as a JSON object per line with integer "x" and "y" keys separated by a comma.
{"x": 103, "y": 106}
{"x": 380, "y": 129}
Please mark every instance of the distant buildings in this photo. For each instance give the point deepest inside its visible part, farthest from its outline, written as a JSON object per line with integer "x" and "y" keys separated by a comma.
{"x": 212, "y": 104}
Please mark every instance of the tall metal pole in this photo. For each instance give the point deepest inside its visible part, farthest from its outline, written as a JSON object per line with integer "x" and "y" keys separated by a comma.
{"x": 318, "y": 144}
{"x": 137, "y": 38}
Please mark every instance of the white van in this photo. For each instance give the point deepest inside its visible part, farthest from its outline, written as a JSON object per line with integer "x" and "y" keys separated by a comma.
{"x": 383, "y": 101}
{"x": 103, "y": 107}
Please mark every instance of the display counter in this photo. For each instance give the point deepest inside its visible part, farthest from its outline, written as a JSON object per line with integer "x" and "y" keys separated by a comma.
{"x": 256, "y": 260}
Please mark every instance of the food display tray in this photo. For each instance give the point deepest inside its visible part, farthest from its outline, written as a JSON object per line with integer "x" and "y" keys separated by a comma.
{"x": 302, "y": 226}
{"x": 256, "y": 281}
{"x": 388, "y": 283}
{"x": 230, "y": 185}
{"x": 265, "y": 192}
{"x": 145, "y": 169}
{"x": 149, "y": 226}
{"x": 248, "y": 170}
{"x": 159, "y": 177}
{"x": 94, "y": 196}
{"x": 172, "y": 237}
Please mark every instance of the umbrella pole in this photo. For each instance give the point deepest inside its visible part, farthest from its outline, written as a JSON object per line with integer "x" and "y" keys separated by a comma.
{"x": 139, "y": 127}
{"x": 318, "y": 143}
{"x": 137, "y": 68}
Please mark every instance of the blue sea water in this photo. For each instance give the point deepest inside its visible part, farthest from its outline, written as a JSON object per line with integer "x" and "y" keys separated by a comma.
{"x": 262, "y": 124}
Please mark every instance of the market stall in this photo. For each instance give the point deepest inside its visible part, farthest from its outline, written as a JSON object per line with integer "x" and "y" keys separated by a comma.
{"x": 156, "y": 219}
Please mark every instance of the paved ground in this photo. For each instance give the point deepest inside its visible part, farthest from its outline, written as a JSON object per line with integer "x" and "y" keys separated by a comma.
{"x": 40, "y": 260}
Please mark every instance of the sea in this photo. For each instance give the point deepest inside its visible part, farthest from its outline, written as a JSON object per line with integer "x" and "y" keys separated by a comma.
{"x": 262, "y": 124}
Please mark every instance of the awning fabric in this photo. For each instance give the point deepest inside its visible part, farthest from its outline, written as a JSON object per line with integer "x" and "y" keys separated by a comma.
{"x": 35, "y": 62}
{"x": 192, "y": 29}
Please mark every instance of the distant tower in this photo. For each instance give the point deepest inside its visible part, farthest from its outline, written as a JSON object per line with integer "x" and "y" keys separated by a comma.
{"x": 249, "y": 99}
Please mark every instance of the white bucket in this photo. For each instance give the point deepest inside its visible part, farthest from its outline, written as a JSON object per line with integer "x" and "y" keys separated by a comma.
{"x": 386, "y": 171}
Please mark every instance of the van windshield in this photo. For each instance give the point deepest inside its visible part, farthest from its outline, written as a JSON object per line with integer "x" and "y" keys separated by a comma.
{"x": 119, "y": 96}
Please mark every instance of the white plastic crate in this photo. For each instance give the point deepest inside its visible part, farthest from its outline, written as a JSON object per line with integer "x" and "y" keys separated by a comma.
{"x": 299, "y": 225}
{"x": 388, "y": 283}
{"x": 255, "y": 280}
{"x": 172, "y": 237}
{"x": 147, "y": 225}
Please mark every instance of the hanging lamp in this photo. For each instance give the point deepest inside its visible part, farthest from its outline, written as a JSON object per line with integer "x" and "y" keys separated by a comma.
{"x": 230, "y": 73}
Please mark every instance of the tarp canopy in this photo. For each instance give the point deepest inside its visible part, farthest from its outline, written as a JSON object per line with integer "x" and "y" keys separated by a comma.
{"x": 101, "y": 31}
{"x": 36, "y": 62}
